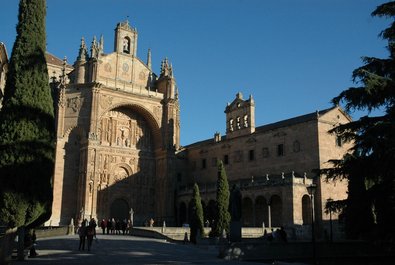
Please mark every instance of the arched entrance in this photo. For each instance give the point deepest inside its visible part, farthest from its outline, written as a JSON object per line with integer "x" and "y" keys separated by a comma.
{"x": 277, "y": 211}
{"x": 247, "y": 212}
{"x": 261, "y": 217}
{"x": 119, "y": 209}
{"x": 306, "y": 210}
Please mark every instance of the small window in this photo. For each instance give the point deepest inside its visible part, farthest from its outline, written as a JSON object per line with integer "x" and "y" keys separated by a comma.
{"x": 251, "y": 155}
{"x": 245, "y": 122}
{"x": 214, "y": 161}
{"x": 204, "y": 163}
{"x": 339, "y": 141}
{"x": 226, "y": 159}
{"x": 238, "y": 123}
{"x": 231, "y": 125}
{"x": 296, "y": 146}
{"x": 265, "y": 152}
{"x": 280, "y": 150}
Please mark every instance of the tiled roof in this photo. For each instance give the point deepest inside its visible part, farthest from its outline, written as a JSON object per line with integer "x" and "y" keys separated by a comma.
{"x": 51, "y": 59}
{"x": 292, "y": 121}
{"x": 276, "y": 125}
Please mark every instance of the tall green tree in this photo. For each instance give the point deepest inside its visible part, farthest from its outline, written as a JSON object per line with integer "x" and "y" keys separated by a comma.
{"x": 369, "y": 166}
{"x": 27, "y": 129}
{"x": 222, "y": 220}
{"x": 197, "y": 225}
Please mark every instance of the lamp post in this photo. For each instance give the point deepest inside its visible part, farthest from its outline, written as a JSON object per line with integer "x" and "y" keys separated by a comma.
{"x": 311, "y": 190}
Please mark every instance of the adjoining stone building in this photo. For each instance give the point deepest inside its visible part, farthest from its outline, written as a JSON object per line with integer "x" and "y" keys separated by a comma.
{"x": 118, "y": 147}
{"x": 272, "y": 164}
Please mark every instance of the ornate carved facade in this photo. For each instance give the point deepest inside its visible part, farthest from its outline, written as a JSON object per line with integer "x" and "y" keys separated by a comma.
{"x": 118, "y": 129}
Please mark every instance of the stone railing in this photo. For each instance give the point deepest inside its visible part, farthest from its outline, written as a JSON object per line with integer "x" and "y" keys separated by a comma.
{"x": 178, "y": 233}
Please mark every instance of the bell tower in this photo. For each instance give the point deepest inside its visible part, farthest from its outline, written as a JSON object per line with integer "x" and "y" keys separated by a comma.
{"x": 125, "y": 39}
{"x": 240, "y": 117}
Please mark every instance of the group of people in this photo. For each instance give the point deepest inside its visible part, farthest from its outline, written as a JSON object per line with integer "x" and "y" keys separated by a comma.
{"x": 112, "y": 226}
{"x": 87, "y": 231}
{"x": 278, "y": 235}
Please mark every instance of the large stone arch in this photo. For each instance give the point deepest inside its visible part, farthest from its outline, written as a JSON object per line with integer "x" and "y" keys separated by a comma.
{"x": 153, "y": 123}
{"x": 247, "y": 214}
{"x": 261, "y": 211}
{"x": 128, "y": 169}
{"x": 306, "y": 209}
{"x": 276, "y": 211}
{"x": 128, "y": 136}
{"x": 72, "y": 178}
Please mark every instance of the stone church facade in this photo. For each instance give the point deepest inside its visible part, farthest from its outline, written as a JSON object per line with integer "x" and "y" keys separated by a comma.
{"x": 117, "y": 132}
{"x": 118, "y": 147}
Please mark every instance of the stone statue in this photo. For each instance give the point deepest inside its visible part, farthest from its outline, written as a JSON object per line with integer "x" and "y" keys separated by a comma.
{"x": 235, "y": 203}
{"x": 131, "y": 212}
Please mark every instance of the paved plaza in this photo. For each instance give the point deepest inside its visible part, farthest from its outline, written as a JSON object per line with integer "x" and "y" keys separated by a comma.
{"x": 120, "y": 249}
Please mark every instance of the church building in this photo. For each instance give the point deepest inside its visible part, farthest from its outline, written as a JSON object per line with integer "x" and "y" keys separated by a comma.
{"x": 117, "y": 131}
{"x": 118, "y": 150}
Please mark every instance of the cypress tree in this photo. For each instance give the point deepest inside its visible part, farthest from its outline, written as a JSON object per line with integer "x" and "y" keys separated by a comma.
{"x": 197, "y": 214}
{"x": 369, "y": 166}
{"x": 27, "y": 129}
{"x": 222, "y": 221}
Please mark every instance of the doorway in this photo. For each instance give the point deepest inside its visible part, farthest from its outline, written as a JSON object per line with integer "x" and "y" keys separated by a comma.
{"x": 119, "y": 209}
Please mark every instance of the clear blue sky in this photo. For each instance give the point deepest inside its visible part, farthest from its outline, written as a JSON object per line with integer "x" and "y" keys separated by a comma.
{"x": 293, "y": 56}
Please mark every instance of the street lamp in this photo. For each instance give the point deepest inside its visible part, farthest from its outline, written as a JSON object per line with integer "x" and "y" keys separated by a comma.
{"x": 311, "y": 190}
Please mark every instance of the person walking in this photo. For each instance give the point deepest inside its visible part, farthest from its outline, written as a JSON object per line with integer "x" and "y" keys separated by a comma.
{"x": 103, "y": 226}
{"x": 82, "y": 235}
{"x": 91, "y": 232}
{"x": 109, "y": 223}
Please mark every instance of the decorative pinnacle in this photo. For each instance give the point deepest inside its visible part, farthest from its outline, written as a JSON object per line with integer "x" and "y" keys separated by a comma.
{"x": 149, "y": 64}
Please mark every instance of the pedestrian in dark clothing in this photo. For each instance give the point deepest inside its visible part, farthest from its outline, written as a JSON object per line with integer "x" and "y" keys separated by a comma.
{"x": 82, "y": 235}
{"x": 109, "y": 226}
{"x": 124, "y": 224}
{"x": 283, "y": 234}
{"x": 118, "y": 227}
{"x": 103, "y": 225}
{"x": 91, "y": 232}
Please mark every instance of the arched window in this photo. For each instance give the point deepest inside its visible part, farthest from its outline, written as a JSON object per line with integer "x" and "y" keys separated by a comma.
{"x": 245, "y": 121}
{"x": 276, "y": 211}
{"x": 261, "y": 212}
{"x": 238, "y": 125}
{"x": 231, "y": 125}
{"x": 247, "y": 212}
{"x": 306, "y": 210}
{"x": 126, "y": 45}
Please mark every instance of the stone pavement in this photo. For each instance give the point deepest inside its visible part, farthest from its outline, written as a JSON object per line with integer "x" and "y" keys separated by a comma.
{"x": 120, "y": 249}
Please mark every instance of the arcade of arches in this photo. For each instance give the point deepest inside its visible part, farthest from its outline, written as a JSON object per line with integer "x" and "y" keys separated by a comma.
{"x": 255, "y": 213}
